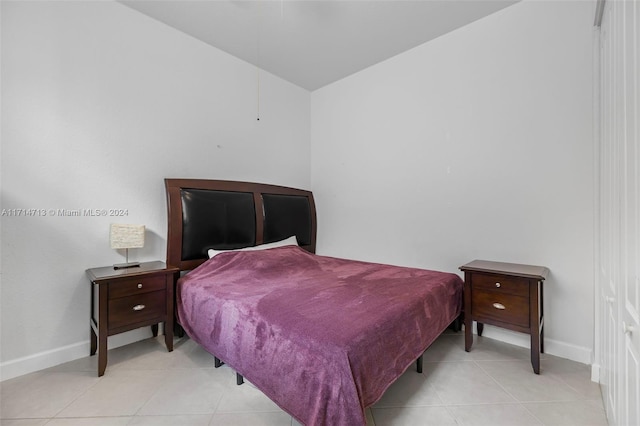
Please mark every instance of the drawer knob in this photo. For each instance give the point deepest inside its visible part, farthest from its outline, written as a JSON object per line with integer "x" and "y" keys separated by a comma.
{"x": 498, "y": 306}
{"x": 139, "y": 285}
{"x": 498, "y": 285}
{"x": 139, "y": 307}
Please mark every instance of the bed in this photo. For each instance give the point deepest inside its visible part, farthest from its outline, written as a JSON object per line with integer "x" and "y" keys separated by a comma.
{"x": 322, "y": 337}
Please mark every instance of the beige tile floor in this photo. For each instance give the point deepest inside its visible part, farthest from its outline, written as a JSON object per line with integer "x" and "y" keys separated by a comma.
{"x": 145, "y": 385}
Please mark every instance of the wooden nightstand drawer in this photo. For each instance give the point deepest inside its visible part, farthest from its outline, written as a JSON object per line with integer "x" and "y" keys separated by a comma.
{"x": 129, "y": 310}
{"x": 501, "y": 284}
{"x": 134, "y": 286}
{"x": 505, "y": 308}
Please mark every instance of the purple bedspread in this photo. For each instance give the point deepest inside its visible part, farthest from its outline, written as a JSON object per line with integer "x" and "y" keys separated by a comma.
{"x": 322, "y": 337}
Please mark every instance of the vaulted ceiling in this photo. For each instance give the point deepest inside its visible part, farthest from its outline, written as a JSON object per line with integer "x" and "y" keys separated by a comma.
{"x": 312, "y": 43}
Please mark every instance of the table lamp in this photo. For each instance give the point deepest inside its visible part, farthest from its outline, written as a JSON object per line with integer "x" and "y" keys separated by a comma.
{"x": 123, "y": 236}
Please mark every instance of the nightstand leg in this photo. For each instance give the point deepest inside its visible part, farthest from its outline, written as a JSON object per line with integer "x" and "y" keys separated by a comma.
{"x": 468, "y": 334}
{"x": 168, "y": 324}
{"x": 154, "y": 330}
{"x": 535, "y": 352}
{"x": 468, "y": 322}
{"x": 480, "y": 327}
{"x": 168, "y": 335}
{"x": 541, "y": 317}
{"x": 94, "y": 342}
{"x": 535, "y": 316}
{"x": 102, "y": 329}
{"x": 102, "y": 355}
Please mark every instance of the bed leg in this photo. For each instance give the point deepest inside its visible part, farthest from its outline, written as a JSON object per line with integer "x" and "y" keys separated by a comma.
{"x": 178, "y": 331}
{"x": 217, "y": 363}
{"x": 456, "y": 325}
{"x": 239, "y": 379}
{"x": 419, "y": 364}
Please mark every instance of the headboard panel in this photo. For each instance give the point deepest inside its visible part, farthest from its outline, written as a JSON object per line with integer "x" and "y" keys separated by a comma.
{"x": 204, "y": 214}
{"x": 287, "y": 215}
{"x": 220, "y": 219}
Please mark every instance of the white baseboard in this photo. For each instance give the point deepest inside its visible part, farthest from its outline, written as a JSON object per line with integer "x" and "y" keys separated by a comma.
{"x": 552, "y": 347}
{"x": 53, "y": 357}
{"x": 46, "y": 359}
{"x": 42, "y": 360}
{"x": 595, "y": 373}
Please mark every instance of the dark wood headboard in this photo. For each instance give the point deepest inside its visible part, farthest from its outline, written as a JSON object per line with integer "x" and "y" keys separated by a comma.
{"x": 219, "y": 214}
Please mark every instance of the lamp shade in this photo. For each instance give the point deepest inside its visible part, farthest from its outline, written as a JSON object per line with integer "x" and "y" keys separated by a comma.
{"x": 123, "y": 236}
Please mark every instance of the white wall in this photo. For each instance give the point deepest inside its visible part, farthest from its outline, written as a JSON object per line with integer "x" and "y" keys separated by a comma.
{"x": 477, "y": 145}
{"x": 99, "y": 105}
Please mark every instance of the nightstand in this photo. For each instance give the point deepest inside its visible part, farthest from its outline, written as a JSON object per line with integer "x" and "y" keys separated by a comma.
{"x": 507, "y": 295}
{"x": 126, "y": 299}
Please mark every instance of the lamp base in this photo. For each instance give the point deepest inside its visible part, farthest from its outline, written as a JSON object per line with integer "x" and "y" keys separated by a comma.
{"x": 126, "y": 265}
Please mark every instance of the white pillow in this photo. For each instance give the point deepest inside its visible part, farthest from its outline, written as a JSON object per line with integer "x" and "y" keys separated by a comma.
{"x": 291, "y": 241}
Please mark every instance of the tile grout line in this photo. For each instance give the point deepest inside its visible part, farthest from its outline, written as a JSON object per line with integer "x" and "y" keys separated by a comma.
{"x": 517, "y": 401}
{"x": 77, "y": 397}
{"x": 148, "y": 399}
